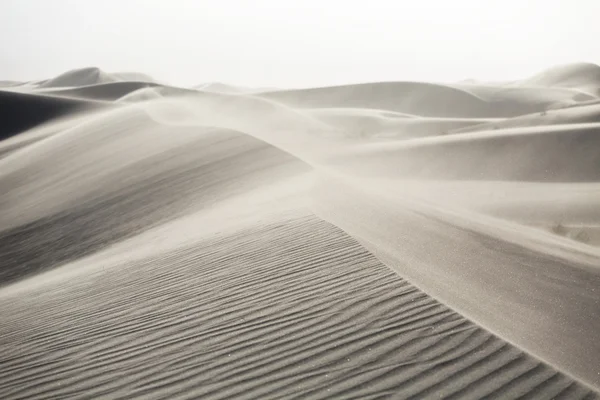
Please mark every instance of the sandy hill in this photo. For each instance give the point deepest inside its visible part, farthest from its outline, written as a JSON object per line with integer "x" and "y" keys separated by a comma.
{"x": 422, "y": 99}
{"x": 102, "y": 91}
{"x": 585, "y": 113}
{"x": 584, "y": 76}
{"x": 22, "y": 111}
{"x": 429, "y": 100}
{"x": 221, "y": 87}
{"x": 91, "y": 76}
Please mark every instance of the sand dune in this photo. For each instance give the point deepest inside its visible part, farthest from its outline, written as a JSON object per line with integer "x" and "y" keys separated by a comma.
{"x": 22, "y": 111}
{"x": 9, "y": 83}
{"x": 423, "y": 99}
{"x": 106, "y": 208}
{"x": 378, "y": 240}
{"x": 520, "y": 271}
{"x": 293, "y": 308}
{"x": 91, "y": 76}
{"x": 367, "y": 123}
{"x": 582, "y": 76}
{"x": 221, "y": 87}
{"x": 431, "y": 100}
{"x": 79, "y": 77}
{"x": 586, "y": 113}
{"x": 559, "y": 154}
{"x": 103, "y": 91}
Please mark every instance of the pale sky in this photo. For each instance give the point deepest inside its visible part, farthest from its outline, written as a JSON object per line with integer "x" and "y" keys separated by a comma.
{"x": 297, "y": 43}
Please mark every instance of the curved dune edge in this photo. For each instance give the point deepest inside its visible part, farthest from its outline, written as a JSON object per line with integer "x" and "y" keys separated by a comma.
{"x": 145, "y": 242}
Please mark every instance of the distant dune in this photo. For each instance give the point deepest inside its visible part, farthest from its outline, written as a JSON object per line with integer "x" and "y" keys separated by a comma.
{"x": 366, "y": 241}
{"x": 585, "y": 113}
{"x": 220, "y": 87}
{"x": 91, "y": 76}
{"x": 582, "y": 76}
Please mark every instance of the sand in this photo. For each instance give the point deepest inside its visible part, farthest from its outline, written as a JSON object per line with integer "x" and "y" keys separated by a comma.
{"x": 369, "y": 241}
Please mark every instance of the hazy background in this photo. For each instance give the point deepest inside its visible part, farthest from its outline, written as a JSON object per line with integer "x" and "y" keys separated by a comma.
{"x": 297, "y": 43}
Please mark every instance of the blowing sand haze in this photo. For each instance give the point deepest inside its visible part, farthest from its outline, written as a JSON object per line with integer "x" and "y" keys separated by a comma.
{"x": 367, "y": 241}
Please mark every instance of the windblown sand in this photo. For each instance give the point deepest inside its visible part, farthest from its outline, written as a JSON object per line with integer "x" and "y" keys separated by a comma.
{"x": 368, "y": 241}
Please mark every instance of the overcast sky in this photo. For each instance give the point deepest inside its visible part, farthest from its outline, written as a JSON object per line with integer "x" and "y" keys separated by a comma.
{"x": 297, "y": 43}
